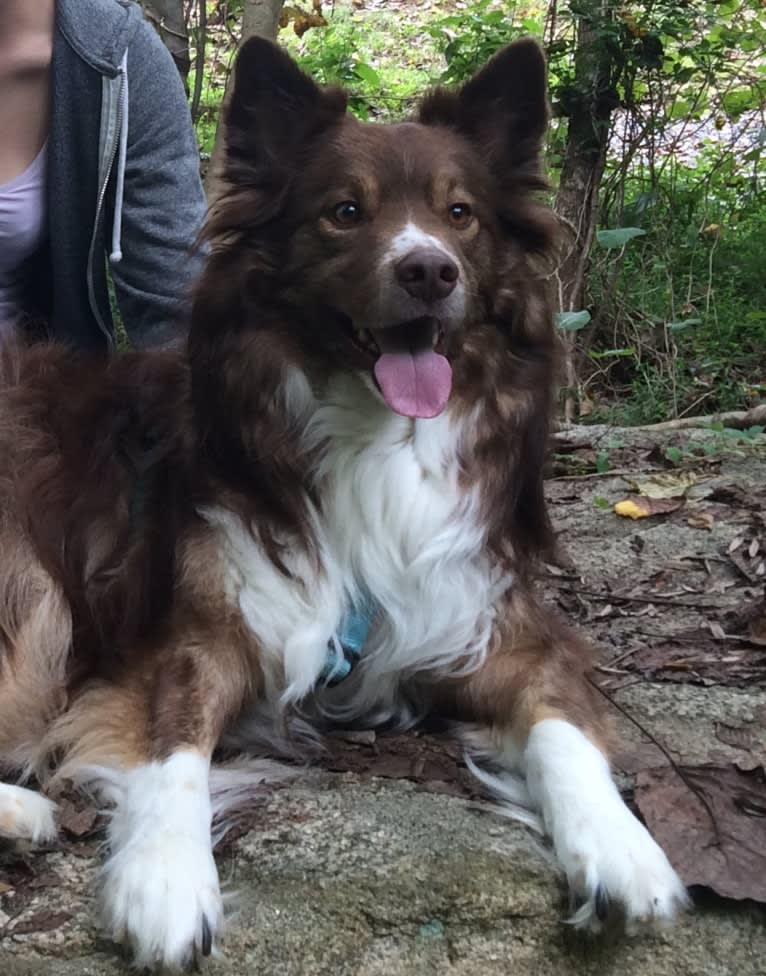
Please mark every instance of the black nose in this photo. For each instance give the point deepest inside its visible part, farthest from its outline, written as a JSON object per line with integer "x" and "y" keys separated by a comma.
{"x": 427, "y": 273}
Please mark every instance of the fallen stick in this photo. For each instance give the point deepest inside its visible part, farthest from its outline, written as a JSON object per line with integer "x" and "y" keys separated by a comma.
{"x": 737, "y": 419}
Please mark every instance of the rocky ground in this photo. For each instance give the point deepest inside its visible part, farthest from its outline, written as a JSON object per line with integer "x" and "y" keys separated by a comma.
{"x": 385, "y": 860}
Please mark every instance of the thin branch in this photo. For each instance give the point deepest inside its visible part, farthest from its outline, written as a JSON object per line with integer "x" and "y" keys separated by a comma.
{"x": 199, "y": 59}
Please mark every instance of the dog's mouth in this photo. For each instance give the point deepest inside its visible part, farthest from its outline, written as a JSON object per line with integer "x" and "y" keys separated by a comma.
{"x": 410, "y": 369}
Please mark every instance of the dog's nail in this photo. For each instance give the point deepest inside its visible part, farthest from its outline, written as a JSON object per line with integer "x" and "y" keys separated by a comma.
{"x": 207, "y": 937}
{"x": 602, "y": 903}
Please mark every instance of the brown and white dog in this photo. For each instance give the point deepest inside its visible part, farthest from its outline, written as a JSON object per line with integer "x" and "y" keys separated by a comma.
{"x": 361, "y": 419}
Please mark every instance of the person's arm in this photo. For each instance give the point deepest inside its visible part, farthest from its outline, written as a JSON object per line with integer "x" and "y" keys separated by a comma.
{"x": 163, "y": 203}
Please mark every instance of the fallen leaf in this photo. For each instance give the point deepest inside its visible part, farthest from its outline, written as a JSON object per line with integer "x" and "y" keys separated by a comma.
{"x": 586, "y": 406}
{"x": 741, "y": 737}
{"x": 41, "y": 922}
{"x": 638, "y": 507}
{"x": 77, "y": 820}
{"x": 46, "y": 879}
{"x": 725, "y": 852}
{"x": 701, "y": 520}
{"x": 665, "y": 484}
{"x": 5, "y": 888}
{"x": 757, "y": 628}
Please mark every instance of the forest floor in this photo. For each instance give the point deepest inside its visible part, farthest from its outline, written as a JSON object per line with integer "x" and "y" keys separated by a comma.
{"x": 385, "y": 860}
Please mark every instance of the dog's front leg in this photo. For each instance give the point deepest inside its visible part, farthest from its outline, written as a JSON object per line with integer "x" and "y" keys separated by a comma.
{"x": 539, "y": 715}
{"x": 146, "y": 741}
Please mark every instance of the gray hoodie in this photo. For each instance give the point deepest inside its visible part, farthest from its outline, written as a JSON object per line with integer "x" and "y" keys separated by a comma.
{"x": 123, "y": 181}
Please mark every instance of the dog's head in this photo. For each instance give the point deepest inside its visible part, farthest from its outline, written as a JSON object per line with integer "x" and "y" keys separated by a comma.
{"x": 385, "y": 244}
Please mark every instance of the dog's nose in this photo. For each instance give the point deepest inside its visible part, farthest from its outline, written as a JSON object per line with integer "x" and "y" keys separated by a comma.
{"x": 427, "y": 273}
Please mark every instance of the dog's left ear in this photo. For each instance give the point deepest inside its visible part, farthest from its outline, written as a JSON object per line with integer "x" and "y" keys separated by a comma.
{"x": 503, "y": 108}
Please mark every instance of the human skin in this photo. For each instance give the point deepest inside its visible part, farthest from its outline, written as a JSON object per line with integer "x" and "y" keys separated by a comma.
{"x": 26, "y": 45}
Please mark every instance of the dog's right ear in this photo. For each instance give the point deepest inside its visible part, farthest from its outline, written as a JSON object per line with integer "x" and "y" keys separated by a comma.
{"x": 273, "y": 111}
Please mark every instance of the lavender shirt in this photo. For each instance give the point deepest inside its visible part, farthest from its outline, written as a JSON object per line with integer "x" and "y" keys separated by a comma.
{"x": 22, "y": 226}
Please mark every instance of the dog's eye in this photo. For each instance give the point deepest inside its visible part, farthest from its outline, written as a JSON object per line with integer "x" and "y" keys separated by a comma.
{"x": 347, "y": 213}
{"x": 460, "y": 215}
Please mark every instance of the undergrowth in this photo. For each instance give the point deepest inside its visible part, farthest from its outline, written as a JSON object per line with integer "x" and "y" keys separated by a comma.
{"x": 678, "y": 314}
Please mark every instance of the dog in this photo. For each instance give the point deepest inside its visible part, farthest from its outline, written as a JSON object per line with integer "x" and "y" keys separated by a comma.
{"x": 327, "y": 508}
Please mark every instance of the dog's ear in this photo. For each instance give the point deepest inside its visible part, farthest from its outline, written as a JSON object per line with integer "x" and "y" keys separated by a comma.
{"x": 503, "y": 108}
{"x": 273, "y": 112}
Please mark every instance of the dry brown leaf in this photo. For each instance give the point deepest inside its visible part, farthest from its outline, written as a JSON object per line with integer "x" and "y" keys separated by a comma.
{"x": 5, "y": 888}
{"x": 46, "y": 879}
{"x": 701, "y": 520}
{"x": 752, "y": 549}
{"x": 665, "y": 484}
{"x": 41, "y": 922}
{"x": 740, "y": 737}
{"x": 75, "y": 819}
{"x": 727, "y": 853}
{"x": 757, "y": 628}
{"x": 638, "y": 506}
{"x": 586, "y": 406}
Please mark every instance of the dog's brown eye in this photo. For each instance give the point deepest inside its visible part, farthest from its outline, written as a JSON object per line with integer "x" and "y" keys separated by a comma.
{"x": 347, "y": 213}
{"x": 460, "y": 215}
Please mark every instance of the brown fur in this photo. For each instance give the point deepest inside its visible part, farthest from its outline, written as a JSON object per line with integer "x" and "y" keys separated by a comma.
{"x": 111, "y": 591}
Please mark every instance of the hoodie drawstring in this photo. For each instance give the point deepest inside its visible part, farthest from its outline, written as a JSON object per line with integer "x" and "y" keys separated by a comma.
{"x": 116, "y": 255}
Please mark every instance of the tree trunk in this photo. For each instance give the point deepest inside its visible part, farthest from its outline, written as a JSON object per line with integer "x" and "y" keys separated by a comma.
{"x": 259, "y": 17}
{"x": 590, "y": 107}
{"x": 168, "y": 17}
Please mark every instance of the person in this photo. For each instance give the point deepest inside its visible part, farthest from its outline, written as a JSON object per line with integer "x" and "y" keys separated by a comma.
{"x": 98, "y": 162}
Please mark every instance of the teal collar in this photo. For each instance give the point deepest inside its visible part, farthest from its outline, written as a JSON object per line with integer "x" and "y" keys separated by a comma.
{"x": 344, "y": 649}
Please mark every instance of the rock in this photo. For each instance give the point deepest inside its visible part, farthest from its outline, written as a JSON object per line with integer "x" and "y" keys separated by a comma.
{"x": 345, "y": 877}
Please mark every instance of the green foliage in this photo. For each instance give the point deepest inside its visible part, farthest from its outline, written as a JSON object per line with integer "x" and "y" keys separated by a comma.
{"x": 470, "y": 36}
{"x": 674, "y": 317}
{"x": 373, "y": 56}
{"x": 572, "y": 321}
{"x": 618, "y": 237}
{"x": 602, "y": 462}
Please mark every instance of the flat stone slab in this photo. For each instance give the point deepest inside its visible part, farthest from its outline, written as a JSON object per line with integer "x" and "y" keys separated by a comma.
{"x": 364, "y": 878}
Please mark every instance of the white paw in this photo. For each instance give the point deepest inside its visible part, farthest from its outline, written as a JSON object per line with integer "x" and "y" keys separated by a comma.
{"x": 160, "y": 890}
{"x": 162, "y": 900}
{"x": 26, "y": 815}
{"x": 612, "y": 862}
{"x": 610, "y": 859}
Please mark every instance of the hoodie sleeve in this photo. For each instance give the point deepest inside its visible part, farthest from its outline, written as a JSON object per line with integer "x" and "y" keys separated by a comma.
{"x": 163, "y": 203}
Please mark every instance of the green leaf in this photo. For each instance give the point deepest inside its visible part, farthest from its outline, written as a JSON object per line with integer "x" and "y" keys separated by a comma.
{"x": 367, "y": 74}
{"x": 601, "y": 502}
{"x": 618, "y": 237}
{"x": 683, "y": 324}
{"x": 572, "y": 321}
{"x": 610, "y": 353}
{"x": 673, "y": 454}
{"x": 602, "y": 462}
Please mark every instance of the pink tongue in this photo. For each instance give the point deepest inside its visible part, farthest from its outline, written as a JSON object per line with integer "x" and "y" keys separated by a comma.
{"x": 414, "y": 383}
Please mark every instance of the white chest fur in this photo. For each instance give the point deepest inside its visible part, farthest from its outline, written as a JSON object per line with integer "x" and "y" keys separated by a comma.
{"x": 392, "y": 520}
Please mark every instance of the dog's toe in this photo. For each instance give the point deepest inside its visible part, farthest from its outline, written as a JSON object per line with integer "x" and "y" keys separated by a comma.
{"x": 26, "y": 815}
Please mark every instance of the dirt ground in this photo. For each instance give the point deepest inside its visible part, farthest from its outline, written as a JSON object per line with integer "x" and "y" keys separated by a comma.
{"x": 675, "y": 603}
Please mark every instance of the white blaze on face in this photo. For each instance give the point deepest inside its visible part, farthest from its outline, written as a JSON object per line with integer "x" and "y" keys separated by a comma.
{"x": 411, "y": 237}
{"x": 414, "y": 379}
